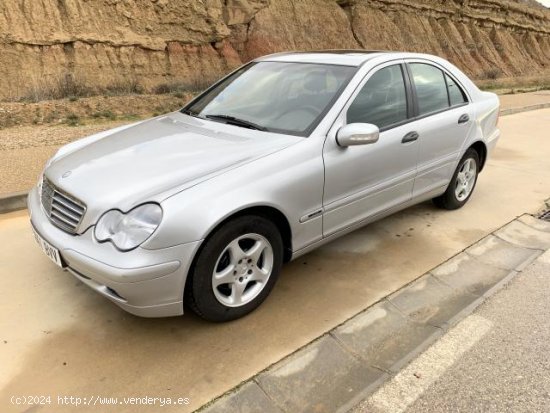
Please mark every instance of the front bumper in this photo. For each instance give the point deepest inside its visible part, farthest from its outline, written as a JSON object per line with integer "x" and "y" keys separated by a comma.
{"x": 147, "y": 283}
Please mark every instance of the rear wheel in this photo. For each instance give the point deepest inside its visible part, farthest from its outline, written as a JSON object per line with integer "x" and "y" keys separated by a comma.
{"x": 236, "y": 269}
{"x": 462, "y": 184}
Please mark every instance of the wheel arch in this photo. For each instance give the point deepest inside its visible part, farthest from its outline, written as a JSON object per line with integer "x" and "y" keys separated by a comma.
{"x": 268, "y": 212}
{"x": 481, "y": 149}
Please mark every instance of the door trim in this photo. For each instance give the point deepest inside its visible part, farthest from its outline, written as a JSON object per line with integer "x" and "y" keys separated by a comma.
{"x": 365, "y": 193}
{"x": 375, "y": 217}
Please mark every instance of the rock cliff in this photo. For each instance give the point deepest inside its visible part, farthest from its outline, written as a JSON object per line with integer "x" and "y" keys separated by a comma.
{"x": 102, "y": 42}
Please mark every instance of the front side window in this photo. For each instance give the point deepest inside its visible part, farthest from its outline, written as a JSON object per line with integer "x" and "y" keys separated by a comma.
{"x": 431, "y": 88}
{"x": 382, "y": 101}
{"x": 278, "y": 97}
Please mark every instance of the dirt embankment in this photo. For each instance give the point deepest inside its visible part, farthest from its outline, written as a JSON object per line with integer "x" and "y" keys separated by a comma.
{"x": 146, "y": 43}
{"x": 89, "y": 110}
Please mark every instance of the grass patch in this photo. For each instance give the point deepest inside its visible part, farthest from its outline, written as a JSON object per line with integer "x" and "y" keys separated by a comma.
{"x": 65, "y": 86}
{"x": 130, "y": 116}
{"x": 180, "y": 88}
{"x": 71, "y": 87}
{"x": 72, "y": 119}
{"x": 129, "y": 87}
{"x": 104, "y": 114}
{"x": 513, "y": 85}
{"x": 492, "y": 74}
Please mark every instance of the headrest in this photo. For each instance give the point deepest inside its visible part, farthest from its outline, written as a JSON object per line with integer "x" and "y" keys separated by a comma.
{"x": 316, "y": 81}
{"x": 383, "y": 79}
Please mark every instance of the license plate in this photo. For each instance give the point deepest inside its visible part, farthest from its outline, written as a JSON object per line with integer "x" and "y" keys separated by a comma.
{"x": 51, "y": 252}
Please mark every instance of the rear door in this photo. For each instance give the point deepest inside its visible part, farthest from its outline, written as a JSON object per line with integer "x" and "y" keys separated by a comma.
{"x": 444, "y": 121}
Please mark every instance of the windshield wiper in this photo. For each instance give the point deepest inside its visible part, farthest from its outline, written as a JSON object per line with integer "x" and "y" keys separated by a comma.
{"x": 188, "y": 112}
{"x": 237, "y": 122}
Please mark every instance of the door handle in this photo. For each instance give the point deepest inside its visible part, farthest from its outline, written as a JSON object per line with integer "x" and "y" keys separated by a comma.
{"x": 410, "y": 137}
{"x": 463, "y": 119}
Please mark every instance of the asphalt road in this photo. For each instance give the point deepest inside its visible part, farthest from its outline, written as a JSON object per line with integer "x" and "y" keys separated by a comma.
{"x": 496, "y": 360}
{"x": 59, "y": 338}
{"x": 508, "y": 369}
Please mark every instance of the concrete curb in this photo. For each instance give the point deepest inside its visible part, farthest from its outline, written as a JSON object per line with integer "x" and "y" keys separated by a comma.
{"x": 13, "y": 202}
{"x": 378, "y": 342}
{"x": 513, "y": 111}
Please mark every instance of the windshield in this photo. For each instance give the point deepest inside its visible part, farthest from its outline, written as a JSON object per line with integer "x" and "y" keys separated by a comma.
{"x": 279, "y": 97}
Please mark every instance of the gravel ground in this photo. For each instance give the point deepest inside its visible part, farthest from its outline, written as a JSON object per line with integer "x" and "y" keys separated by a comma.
{"x": 83, "y": 110}
{"x": 25, "y": 149}
{"x": 21, "y": 137}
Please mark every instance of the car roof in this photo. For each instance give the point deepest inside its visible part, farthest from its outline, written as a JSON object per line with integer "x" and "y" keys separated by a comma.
{"x": 347, "y": 57}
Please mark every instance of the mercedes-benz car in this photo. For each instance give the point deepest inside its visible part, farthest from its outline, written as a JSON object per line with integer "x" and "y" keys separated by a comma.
{"x": 204, "y": 205}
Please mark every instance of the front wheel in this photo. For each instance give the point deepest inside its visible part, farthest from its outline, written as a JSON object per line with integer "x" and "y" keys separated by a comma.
{"x": 462, "y": 184}
{"x": 236, "y": 269}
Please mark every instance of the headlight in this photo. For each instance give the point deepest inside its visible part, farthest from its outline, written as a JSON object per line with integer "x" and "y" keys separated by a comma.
{"x": 129, "y": 230}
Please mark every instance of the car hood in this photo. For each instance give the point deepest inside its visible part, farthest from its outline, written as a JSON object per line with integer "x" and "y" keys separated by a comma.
{"x": 153, "y": 159}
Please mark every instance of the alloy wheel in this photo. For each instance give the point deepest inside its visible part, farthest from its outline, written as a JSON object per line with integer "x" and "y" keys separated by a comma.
{"x": 465, "y": 180}
{"x": 242, "y": 270}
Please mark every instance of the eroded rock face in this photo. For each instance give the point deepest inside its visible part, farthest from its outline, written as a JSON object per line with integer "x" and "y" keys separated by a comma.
{"x": 102, "y": 42}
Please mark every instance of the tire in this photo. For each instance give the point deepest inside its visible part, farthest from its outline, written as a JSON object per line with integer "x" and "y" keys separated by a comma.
{"x": 242, "y": 252}
{"x": 452, "y": 199}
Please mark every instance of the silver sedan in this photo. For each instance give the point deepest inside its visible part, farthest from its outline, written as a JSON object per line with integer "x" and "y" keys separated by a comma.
{"x": 288, "y": 152}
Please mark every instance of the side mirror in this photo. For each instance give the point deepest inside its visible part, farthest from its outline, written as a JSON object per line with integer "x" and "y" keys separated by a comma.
{"x": 357, "y": 134}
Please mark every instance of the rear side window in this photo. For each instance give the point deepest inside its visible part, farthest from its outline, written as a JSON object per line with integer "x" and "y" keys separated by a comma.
{"x": 431, "y": 88}
{"x": 382, "y": 101}
{"x": 456, "y": 94}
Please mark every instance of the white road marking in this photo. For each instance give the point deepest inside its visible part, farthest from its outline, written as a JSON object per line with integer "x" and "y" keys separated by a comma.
{"x": 409, "y": 384}
{"x": 545, "y": 258}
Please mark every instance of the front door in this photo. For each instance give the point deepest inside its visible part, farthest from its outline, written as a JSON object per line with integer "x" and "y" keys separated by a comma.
{"x": 362, "y": 181}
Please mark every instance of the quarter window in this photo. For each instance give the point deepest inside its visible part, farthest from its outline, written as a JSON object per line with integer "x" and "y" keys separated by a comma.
{"x": 456, "y": 94}
{"x": 431, "y": 88}
{"x": 382, "y": 101}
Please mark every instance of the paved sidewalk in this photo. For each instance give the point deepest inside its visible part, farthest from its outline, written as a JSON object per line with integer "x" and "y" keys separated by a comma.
{"x": 496, "y": 360}
{"x": 520, "y": 100}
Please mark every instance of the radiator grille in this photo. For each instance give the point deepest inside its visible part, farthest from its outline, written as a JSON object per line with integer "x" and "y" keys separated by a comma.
{"x": 63, "y": 210}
